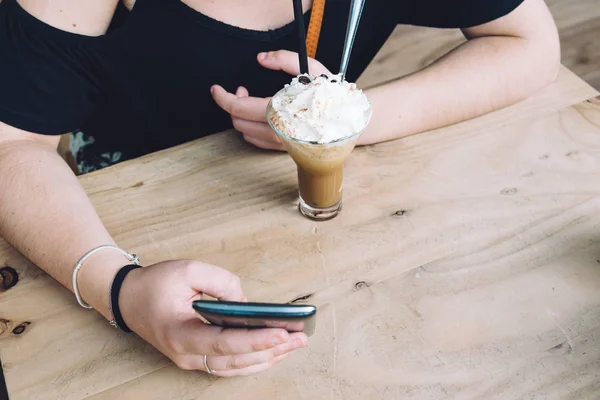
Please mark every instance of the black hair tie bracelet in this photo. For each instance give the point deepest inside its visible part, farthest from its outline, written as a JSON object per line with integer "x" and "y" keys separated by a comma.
{"x": 117, "y": 320}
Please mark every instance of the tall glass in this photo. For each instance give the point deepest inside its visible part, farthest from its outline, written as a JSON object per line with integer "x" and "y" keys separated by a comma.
{"x": 320, "y": 169}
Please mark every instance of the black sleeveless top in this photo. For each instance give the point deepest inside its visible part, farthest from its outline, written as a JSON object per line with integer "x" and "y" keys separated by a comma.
{"x": 145, "y": 85}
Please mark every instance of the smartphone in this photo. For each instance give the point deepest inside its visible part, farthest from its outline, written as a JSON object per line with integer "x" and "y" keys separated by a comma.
{"x": 230, "y": 314}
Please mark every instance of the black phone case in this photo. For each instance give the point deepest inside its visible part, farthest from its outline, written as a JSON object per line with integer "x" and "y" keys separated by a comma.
{"x": 291, "y": 317}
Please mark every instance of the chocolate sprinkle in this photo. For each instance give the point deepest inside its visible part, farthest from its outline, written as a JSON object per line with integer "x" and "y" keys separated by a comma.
{"x": 333, "y": 81}
{"x": 305, "y": 80}
{"x": 324, "y": 76}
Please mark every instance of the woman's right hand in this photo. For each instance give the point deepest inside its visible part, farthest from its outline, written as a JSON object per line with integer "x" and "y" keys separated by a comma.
{"x": 156, "y": 303}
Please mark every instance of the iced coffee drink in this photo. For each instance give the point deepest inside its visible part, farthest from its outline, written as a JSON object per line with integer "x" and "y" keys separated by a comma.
{"x": 319, "y": 120}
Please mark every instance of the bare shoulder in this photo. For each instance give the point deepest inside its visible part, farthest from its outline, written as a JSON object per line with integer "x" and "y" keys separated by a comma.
{"x": 89, "y": 17}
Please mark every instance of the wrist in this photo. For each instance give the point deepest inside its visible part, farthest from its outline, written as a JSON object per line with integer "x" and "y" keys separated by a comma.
{"x": 373, "y": 133}
{"x": 393, "y": 117}
{"x": 129, "y": 296}
{"x": 95, "y": 279}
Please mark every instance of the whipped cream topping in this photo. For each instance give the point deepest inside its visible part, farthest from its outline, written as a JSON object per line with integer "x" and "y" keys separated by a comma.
{"x": 322, "y": 110}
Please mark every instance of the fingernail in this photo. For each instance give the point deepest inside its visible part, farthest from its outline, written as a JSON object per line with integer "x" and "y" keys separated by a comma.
{"x": 299, "y": 343}
{"x": 237, "y": 92}
{"x": 262, "y": 56}
{"x": 212, "y": 89}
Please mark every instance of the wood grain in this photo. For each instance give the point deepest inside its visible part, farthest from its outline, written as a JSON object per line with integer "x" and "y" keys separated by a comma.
{"x": 464, "y": 261}
{"x": 581, "y": 49}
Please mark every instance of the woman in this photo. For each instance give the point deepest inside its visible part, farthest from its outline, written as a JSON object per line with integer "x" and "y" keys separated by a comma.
{"x": 148, "y": 74}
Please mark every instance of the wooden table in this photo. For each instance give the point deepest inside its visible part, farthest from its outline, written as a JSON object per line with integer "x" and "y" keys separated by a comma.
{"x": 465, "y": 265}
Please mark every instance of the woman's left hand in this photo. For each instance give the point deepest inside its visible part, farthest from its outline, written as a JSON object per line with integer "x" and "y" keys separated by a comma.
{"x": 248, "y": 113}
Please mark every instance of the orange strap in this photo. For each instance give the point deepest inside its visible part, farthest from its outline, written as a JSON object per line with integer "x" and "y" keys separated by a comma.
{"x": 314, "y": 27}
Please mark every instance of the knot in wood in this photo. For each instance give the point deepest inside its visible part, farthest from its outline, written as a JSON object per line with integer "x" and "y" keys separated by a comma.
{"x": 8, "y": 277}
{"x": 361, "y": 285}
{"x": 19, "y": 329}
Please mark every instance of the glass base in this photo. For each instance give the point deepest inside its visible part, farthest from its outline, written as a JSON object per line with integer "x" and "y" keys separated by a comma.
{"x": 319, "y": 214}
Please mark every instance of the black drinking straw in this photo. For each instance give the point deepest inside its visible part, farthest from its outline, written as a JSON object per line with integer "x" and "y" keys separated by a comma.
{"x": 299, "y": 19}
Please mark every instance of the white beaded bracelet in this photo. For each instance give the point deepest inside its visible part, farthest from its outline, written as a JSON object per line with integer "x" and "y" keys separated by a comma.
{"x": 131, "y": 257}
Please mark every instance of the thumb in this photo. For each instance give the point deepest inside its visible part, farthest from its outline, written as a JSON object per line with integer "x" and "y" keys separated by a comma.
{"x": 214, "y": 281}
{"x": 284, "y": 60}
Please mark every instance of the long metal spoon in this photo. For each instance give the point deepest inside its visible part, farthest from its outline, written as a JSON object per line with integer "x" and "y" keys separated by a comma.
{"x": 356, "y": 8}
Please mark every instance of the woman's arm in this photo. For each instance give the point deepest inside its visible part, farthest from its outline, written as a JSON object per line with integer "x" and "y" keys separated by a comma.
{"x": 47, "y": 216}
{"x": 44, "y": 212}
{"x": 502, "y": 62}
